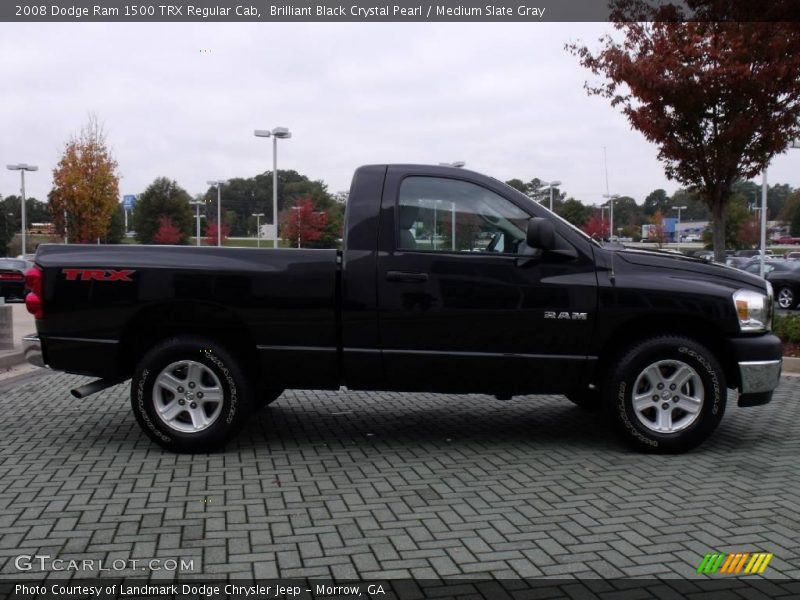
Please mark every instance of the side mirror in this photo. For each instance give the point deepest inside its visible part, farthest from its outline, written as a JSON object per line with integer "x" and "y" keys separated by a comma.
{"x": 541, "y": 234}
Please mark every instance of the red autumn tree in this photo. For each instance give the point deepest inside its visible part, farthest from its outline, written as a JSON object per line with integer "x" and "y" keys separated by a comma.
{"x": 301, "y": 224}
{"x": 85, "y": 186}
{"x": 750, "y": 232}
{"x": 658, "y": 231}
{"x": 212, "y": 230}
{"x": 718, "y": 94}
{"x": 166, "y": 233}
{"x": 597, "y": 227}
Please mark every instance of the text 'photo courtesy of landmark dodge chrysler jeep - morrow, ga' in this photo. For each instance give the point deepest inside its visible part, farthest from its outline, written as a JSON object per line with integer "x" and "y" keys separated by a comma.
{"x": 448, "y": 281}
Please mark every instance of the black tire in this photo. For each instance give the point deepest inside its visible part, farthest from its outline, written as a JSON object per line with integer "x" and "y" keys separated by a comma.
{"x": 785, "y": 297}
{"x": 218, "y": 369}
{"x": 266, "y": 397}
{"x": 689, "y": 428}
{"x": 588, "y": 400}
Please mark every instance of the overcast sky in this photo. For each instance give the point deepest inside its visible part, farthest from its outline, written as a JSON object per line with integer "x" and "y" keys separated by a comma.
{"x": 182, "y": 100}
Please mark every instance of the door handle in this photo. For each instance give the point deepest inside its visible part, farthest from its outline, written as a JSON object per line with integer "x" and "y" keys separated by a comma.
{"x": 406, "y": 276}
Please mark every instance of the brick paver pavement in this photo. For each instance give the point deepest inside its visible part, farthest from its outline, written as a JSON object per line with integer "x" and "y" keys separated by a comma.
{"x": 370, "y": 485}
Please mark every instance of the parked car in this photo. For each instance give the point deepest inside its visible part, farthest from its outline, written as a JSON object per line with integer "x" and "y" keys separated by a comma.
{"x": 792, "y": 256}
{"x": 775, "y": 264}
{"x": 786, "y": 283}
{"x": 740, "y": 262}
{"x": 12, "y": 279}
{"x": 786, "y": 239}
{"x": 207, "y": 335}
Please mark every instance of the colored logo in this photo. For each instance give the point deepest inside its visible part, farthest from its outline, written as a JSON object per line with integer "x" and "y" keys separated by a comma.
{"x": 744, "y": 563}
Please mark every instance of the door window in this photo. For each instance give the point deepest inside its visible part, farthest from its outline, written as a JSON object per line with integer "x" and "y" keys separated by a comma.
{"x": 447, "y": 215}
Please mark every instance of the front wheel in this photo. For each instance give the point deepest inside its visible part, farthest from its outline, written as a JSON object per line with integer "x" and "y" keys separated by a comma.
{"x": 666, "y": 394}
{"x": 786, "y": 298}
{"x": 189, "y": 394}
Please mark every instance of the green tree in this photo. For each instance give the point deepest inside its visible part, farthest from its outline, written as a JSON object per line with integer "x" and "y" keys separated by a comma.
{"x": 626, "y": 213}
{"x": 790, "y": 207}
{"x": 794, "y": 228}
{"x": 696, "y": 209}
{"x": 6, "y": 230}
{"x": 655, "y": 201}
{"x": 85, "y": 185}
{"x": 241, "y": 197}
{"x": 116, "y": 226}
{"x": 162, "y": 198}
{"x": 575, "y": 212}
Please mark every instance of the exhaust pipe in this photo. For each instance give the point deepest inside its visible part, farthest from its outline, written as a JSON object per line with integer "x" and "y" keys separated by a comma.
{"x": 94, "y": 387}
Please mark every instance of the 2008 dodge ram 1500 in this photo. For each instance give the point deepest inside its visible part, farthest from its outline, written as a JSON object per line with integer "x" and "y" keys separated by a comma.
{"x": 449, "y": 281}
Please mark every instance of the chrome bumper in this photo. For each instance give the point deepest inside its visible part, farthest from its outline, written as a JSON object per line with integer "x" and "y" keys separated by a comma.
{"x": 32, "y": 348}
{"x": 760, "y": 376}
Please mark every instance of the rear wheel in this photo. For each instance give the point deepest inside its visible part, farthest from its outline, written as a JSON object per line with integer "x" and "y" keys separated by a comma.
{"x": 667, "y": 394}
{"x": 786, "y": 298}
{"x": 189, "y": 394}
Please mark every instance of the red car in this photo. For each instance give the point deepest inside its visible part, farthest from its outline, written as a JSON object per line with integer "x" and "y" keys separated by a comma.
{"x": 786, "y": 239}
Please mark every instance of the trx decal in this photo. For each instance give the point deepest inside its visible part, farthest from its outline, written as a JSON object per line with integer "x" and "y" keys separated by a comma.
{"x": 97, "y": 275}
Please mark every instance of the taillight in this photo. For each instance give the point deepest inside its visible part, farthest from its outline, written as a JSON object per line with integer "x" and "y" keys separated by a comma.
{"x": 33, "y": 301}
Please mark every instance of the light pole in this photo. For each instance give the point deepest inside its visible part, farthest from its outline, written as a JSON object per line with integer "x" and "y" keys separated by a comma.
{"x": 284, "y": 134}
{"x": 197, "y": 215}
{"x": 258, "y": 228}
{"x": 678, "y": 226}
{"x": 297, "y": 212}
{"x": 22, "y": 167}
{"x": 218, "y": 183}
{"x": 551, "y": 185}
{"x": 611, "y": 198}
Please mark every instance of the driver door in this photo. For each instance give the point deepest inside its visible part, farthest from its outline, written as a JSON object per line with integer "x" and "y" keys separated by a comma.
{"x": 461, "y": 308}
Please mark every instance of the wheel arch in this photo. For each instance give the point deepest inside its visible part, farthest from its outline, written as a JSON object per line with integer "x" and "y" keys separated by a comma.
{"x": 639, "y": 329}
{"x": 155, "y": 323}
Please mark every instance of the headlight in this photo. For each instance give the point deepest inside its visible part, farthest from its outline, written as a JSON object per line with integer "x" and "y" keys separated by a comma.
{"x": 754, "y": 309}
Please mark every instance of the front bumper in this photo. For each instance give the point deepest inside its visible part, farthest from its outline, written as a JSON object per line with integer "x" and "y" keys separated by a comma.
{"x": 760, "y": 360}
{"x": 32, "y": 349}
{"x": 759, "y": 376}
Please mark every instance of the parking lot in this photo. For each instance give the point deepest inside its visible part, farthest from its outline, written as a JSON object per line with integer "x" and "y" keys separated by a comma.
{"x": 372, "y": 485}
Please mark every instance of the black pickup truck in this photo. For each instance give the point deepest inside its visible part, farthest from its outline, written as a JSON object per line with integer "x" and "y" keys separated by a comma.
{"x": 449, "y": 281}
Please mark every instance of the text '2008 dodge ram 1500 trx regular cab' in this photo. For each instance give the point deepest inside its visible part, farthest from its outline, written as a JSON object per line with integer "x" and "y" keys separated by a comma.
{"x": 449, "y": 281}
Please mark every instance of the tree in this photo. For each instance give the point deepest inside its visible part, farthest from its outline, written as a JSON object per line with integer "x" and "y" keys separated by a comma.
{"x": 657, "y": 232}
{"x": 162, "y": 198}
{"x": 719, "y": 95}
{"x": 301, "y": 224}
{"x": 597, "y": 227}
{"x": 656, "y": 200}
{"x": 116, "y": 226}
{"x": 575, "y": 212}
{"x": 212, "y": 231}
{"x": 85, "y": 185}
{"x": 167, "y": 233}
{"x": 750, "y": 232}
{"x": 789, "y": 207}
{"x": 6, "y": 233}
{"x": 241, "y": 197}
{"x": 794, "y": 228}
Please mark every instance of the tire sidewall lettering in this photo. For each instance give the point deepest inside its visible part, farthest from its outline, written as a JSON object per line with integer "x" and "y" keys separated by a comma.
{"x": 630, "y": 367}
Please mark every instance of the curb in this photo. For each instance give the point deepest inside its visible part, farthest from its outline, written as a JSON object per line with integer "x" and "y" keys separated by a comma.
{"x": 11, "y": 358}
{"x": 791, "y": 366}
